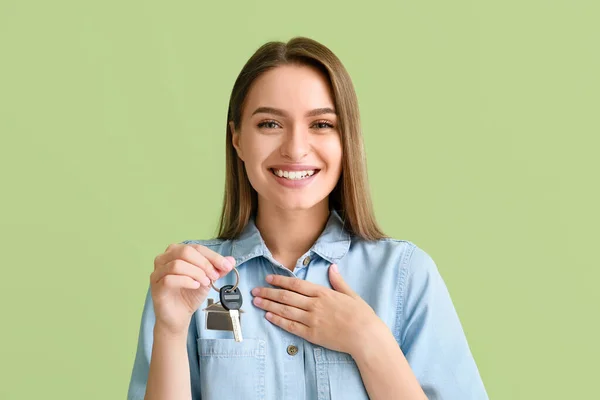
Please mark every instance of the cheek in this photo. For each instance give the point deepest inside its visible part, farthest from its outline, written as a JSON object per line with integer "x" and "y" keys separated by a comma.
{"x": 256, "y": 151}
{"x": 332, "y": 153}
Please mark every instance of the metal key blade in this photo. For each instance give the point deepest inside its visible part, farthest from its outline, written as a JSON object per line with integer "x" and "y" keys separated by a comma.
{"x": 235, "y": 321}
{"x": 231, "y": 300}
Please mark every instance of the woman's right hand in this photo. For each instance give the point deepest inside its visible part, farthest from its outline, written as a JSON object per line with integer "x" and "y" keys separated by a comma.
{"x": 181, "y": 282}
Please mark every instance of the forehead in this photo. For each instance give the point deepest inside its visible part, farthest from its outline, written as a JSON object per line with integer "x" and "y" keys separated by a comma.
{"x": 294, "y": 88}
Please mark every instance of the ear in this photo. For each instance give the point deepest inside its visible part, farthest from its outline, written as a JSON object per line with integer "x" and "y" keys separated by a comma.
{"x": 235, "y": 140}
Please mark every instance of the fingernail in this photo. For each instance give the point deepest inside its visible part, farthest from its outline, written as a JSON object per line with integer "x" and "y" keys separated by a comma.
{"x": 335, "y": 268}
{"x": 257, "y": 300}
{"x": 255, "y": 291}
{"x": 269, "y": 278}
{"x": 214, "y": 275}
{"x": 206, "y": 281}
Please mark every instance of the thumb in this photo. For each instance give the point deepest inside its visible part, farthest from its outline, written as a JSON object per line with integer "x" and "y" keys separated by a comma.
{"x": 338, "y": 282}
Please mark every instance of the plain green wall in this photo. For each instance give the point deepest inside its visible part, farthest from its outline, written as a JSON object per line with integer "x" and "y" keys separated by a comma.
{"x": 481, "y": 126}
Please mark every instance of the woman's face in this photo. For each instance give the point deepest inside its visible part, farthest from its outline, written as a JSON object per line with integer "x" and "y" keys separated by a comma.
{"x": 289, "y": 139}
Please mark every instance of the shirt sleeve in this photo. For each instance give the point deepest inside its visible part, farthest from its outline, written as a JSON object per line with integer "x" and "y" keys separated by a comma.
{"x": 141, "y": 365}
{"x": 431, "y": 336}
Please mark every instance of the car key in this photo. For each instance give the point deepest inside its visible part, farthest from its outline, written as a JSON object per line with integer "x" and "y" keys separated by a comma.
{"x": 231, "y": 300}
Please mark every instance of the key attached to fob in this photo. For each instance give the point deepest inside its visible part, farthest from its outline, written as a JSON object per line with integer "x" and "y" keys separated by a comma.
{"x": 231, "y": 300}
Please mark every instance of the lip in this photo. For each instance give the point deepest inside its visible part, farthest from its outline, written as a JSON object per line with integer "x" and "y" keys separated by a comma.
{"x": 294, "y": 167}
{"x": 295, "y": 184}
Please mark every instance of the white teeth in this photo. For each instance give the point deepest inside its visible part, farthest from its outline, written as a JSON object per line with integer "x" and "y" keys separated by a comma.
{"x": 293, "y": 175}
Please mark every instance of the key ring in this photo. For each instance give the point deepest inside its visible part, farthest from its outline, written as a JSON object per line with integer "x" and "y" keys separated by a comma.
{"x": 237, "y": 281}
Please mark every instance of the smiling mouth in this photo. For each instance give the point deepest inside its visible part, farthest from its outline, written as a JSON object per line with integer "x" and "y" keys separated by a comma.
{"x": 294, "y": 175}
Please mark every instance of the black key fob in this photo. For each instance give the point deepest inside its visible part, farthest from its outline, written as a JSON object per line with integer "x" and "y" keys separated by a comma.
{"x": 230, "y": 299}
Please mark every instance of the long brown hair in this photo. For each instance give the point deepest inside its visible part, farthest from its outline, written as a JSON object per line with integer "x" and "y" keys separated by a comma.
{"x": 351, "y": 196}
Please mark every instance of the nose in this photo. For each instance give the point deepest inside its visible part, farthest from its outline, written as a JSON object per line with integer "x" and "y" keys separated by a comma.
{"x": 296, "y": 143}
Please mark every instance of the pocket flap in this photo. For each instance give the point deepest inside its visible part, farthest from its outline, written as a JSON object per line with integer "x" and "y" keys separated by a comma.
{"x": 230, "y": 348}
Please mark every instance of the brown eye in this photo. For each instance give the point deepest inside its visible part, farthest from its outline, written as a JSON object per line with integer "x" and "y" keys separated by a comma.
{"x": 323, "y": 125}
{"x": 269, "y": 125}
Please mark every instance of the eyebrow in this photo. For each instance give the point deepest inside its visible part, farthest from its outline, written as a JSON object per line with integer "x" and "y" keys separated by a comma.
{"x": 281, "y": 113}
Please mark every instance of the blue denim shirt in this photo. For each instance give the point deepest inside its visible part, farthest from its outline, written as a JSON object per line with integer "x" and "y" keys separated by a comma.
{"x": 400, "y": 282}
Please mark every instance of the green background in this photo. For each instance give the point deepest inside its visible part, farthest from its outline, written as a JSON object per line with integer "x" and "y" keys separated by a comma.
{"x": 481, "y": 127}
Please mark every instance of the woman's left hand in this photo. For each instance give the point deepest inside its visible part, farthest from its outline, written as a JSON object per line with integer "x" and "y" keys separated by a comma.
{"x": 336, "y": 319}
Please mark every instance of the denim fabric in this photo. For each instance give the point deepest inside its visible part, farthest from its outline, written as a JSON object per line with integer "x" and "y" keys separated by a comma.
{"x": 398, "y": 279}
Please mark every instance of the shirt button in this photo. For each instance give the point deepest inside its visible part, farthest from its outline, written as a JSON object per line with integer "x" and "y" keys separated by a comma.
{"x": 306, "y": 261}
{"x": 292, "y": 350}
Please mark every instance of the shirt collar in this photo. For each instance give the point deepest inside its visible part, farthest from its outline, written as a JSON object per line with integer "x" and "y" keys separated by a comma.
{"x": 332, "y": 244}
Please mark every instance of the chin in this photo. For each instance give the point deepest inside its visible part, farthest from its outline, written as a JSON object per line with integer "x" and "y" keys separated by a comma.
{"x": 295, "y": 206}
{"x": 283, "y": 199}
{"x": 297, "y": 203}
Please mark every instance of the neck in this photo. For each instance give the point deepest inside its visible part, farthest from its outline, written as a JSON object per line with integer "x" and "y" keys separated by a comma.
{"x": 289, "y": 234}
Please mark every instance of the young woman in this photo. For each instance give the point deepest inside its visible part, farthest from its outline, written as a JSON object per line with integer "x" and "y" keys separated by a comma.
{"x": 333, "y": 308}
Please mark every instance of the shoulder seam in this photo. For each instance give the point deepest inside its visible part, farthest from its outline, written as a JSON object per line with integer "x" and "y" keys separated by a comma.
{"x": 402, "y": 286}
{"x": 208, "y": 242}
{"x": 389, "y": 239}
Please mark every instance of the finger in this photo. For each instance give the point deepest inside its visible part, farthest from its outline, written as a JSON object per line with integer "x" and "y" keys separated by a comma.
{"x": 283, "y": 297}
{"x": 179, "y": 281}
{"x": 179, "y": 250}
{"x": 296, "y": 285}
{"x": 168, "y": 255}
{"x": 338, "y": 282}
{"x": 283, "y": 310}
{"x": 292, "y": 327}
{"x": 172, "y": 252}
{"x": 190, "y": 254}
{"x": 182, "y": 268}
{"x": 223, "y": 263}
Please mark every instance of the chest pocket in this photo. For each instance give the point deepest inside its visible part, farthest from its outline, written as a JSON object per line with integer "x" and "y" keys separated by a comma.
{"x": 338, "y": 376}
{"x": 231, "y": 370}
